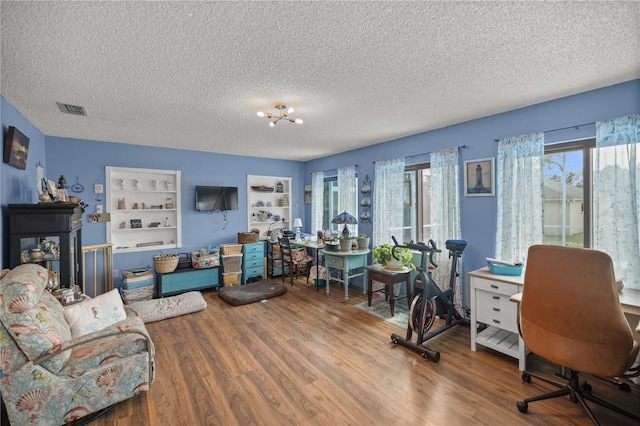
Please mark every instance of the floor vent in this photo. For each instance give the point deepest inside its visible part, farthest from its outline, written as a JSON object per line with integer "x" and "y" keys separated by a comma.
{"x": 71, "y": 109}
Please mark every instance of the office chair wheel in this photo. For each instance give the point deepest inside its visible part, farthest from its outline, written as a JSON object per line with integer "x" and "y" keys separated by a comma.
{"x": 522, "y": 406}
{"x": 526, "y": 377}
{"x": 624, "y": 387}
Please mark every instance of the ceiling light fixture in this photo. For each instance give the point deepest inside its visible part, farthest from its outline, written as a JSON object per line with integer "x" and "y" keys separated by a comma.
{"x": 283, "y": 114}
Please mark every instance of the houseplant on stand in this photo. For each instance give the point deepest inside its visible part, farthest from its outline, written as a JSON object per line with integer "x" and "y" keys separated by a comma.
{"x": 382, "y": 254}
{"x": 346, "y": 242}
{"x": 363, "y": 241}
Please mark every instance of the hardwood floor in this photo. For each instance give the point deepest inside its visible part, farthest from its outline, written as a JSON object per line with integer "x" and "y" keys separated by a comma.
{"x": 307, "y": 359}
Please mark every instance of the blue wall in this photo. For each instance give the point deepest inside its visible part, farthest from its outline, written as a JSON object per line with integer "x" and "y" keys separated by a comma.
{"x": 478, "y": 214}
{"x": 86, "y": 160}
{"x": 18, "y": 186}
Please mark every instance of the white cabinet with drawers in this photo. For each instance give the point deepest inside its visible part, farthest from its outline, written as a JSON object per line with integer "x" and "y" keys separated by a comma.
{"x": 494, "y": 318}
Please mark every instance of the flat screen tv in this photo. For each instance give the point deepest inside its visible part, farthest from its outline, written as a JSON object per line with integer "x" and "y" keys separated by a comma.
{"x": 211, "y": 198}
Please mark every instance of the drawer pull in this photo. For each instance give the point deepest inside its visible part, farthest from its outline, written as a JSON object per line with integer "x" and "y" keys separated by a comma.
{"x": 496, "y": 309}
{"x": 496, "y": 321}
{"x": 496, "y": 297}
{"x": 494, "y": 286}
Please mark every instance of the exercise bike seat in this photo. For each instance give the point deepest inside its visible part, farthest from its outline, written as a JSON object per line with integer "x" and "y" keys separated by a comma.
{"x": 457, "y": 246}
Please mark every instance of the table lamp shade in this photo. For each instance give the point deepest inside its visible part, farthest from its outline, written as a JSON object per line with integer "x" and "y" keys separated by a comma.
{"x": 346, "y": 219}
{"x": 297, "y": 223}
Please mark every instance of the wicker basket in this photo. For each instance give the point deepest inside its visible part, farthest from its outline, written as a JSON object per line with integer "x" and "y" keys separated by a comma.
{"x": 165, "y": 263}
{"x": 248, "y": 237}
{"x": 231, "y": 278}
{"x": 231, "y": 248}
{"x": 137, "y": 294}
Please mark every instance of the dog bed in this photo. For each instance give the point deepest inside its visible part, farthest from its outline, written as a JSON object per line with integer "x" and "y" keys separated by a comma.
{"x": 252, "y": 292}
{"x": 169, "y": 307}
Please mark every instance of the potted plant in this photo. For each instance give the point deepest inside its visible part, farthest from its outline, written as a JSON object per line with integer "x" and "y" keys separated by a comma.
{"x": 346, "y": 242}
{"x": 363, "y": 241}
{"x": 382, "y": 255}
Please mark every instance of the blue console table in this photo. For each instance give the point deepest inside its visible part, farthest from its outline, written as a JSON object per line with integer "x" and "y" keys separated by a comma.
{"x": 187, "y": 279}
{"x": 346, "y": 261}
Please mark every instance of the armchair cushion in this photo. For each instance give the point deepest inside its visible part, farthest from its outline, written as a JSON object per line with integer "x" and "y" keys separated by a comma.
{"x": 95, "y": 314}
{"x": 127, "y": 337}
{"x": 300, "y": 255}
{"x": 33, "y": 317}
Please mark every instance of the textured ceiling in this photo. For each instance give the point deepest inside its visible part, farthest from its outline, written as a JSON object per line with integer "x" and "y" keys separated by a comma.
{"x": 193, "y": 74}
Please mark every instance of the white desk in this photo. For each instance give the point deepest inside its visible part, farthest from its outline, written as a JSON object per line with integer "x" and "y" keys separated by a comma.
{"x": 490, "y": 305}
{"x": 346, "y": 261}
{"x": 630, "y": 301}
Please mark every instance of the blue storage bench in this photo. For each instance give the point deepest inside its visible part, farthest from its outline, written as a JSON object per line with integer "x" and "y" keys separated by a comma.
{"x": 187, "y": 279}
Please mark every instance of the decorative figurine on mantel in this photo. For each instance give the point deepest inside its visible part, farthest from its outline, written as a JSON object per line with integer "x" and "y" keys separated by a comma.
{"x": 62, "y": 196}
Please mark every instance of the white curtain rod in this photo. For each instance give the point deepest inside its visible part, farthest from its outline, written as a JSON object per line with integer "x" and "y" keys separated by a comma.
{"x": 424, "y": 153}
{"x": 576, "y": 127}
{"x": 335, "y": 170}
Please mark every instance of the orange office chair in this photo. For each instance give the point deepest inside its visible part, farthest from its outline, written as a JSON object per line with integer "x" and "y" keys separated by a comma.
{"x": 570, "y": 315}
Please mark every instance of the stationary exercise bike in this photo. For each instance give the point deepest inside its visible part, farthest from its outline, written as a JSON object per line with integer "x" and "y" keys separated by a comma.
{"x": 431, "y": 301}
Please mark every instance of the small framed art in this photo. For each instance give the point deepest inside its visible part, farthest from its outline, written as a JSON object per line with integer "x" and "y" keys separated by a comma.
{"x": 307, "y": 194}
{"x": 479, "y": 178}
{"x": 16, "y": 148}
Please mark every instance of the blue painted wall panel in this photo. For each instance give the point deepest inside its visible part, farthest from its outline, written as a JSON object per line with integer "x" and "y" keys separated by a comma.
{"x": 87, "y": 160}
{"x": 16, "y": 185}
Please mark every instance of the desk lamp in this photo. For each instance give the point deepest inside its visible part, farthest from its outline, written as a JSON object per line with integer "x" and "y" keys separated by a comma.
{"x": 297, "y": 223}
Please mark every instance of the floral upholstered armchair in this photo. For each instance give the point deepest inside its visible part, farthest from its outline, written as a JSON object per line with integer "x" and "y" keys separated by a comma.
{"x": 50, "y": 376}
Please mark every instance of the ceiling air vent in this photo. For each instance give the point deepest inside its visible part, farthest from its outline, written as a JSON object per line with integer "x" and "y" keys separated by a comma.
{"x": 71, "y": 109}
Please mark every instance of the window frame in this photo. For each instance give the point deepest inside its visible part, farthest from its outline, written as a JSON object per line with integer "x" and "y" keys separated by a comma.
{"x": 418, "y": 196}
{"x": 586, "y": 146}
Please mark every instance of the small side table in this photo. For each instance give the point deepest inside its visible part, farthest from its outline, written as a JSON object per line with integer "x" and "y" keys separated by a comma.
{"x": 388, "y": 278}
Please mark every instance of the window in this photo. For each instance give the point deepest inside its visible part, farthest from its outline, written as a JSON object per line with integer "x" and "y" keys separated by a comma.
{"x": 417, "y": 203}
{"x": 567, "y": 194}
{"x": 330, "y": 203}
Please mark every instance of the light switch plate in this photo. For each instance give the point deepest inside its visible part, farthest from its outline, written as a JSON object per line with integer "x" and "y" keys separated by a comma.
{"x": 98, "y": 188}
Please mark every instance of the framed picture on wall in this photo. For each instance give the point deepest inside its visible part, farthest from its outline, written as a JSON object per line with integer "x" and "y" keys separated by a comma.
{"x": 307, "y": 194}
{"x": 16, "y": 148}
{"x": 479, "y": 178}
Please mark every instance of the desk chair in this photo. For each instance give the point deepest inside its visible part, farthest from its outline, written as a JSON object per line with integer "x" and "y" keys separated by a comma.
{"x": 296, "y": 259}
{"x": 570, "y": 315}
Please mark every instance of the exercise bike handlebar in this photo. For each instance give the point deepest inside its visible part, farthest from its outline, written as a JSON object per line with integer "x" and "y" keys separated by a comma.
{"x": 429, "y": 247}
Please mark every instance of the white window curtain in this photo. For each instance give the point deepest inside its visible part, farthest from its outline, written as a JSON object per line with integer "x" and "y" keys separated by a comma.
{"x": 616, "y": 190}
{"x": 348, "y": 194}
{"x": 317, "y": 206}
{"x": 388, "y": 201}
{"x": 519, "y": 187}
{"x": 445, "y": 213}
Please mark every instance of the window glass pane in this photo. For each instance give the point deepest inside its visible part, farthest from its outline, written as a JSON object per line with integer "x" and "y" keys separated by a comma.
{"x": 330, "y": 204}
{"x": 564, "y": 198}
{"x": 417, "y": 203}
{"x": 426, "y": 205}
{"x": 409, "y": 209}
